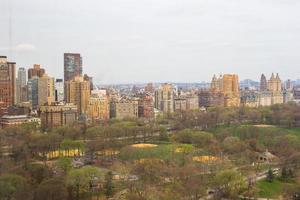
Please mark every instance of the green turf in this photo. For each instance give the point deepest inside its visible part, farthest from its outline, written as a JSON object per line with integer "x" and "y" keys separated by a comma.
{"x": 269, "y": 189}
{"x": 162, "y": 151}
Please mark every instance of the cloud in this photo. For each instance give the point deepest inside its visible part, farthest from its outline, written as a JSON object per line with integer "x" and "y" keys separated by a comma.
{"x": 24, "y": 48}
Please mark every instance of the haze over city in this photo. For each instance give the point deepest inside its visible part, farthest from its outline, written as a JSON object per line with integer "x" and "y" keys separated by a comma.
{"x": 152, "y": 40}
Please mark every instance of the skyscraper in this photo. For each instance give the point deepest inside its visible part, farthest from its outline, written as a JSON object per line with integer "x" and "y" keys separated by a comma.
{"x": 77, "y": 91}
{"x": 35, "y": 71}
{"x": 59, "y": 90}
{"x": 45, "y": 90}
{"x": 7, "y": 82}
{"x": 72, "y": 66}
{"x": 21, "y": 87}
{"x": 263, "y": 83}
{"x": 33, "y": 91}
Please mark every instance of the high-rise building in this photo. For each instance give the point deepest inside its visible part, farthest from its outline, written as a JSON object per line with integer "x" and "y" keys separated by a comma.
{"x": 36, "y": 71}
{"x": 21, "y": 87}
{"x": 46, "y": 90}
{"x": 59, "y": 90}
{"x": 164, "y": 98}
{"x": 72, "y": 66}
{"x": 228, "y": 84}
{"x": 7, "y": 82}
{"x": 77, "y": 91}
{"x": 274, "y": 84}
{"x": 32, "y": 92}
{"x": 263, "y": 83}
{"x": 98, "y": 106}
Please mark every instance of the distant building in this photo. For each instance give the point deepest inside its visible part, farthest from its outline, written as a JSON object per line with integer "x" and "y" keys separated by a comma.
{"x": 185, "y": 103}
{"x": 33, "y": 92}
{"x": 180, "y": 104}
{"x": 274, "y": 84}
{"x": 209, "y": 98}
{"x": 18, "y": 110}
{"x": 46, "y": 91}
{"x": 250, "y": 99}
{"x": 21, "y": 87}
{"x": 145, "y": 106}
{"x": 164, "y": 98}
{"x": 127, "y": 108}
{"x": 149, "y": 88}
{"x": 16, "y": 120}
{"x": 263, "y": 83}
{"x": 77, "y": 91}
{"x": 7, "y": 83}
{"x": 72, "y": 66}
{"x": 289, "y": 85}
{"x": 98, "y": 106}
{"x": 228, "y": 84}
{"x": 56, "y": 115}
{"x": 59, "y": 90}
{"x": 35, "y": 71}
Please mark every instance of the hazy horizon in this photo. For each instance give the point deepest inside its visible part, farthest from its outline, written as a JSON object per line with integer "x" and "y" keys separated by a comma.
{"x": 140, "y": 41}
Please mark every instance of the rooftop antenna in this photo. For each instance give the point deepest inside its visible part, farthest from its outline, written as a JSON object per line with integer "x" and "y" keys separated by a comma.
{"x": 10, "y": 27}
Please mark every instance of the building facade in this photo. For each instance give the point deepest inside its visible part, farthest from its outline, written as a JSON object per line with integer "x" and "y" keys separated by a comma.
{"x": 72, "y": 66}
{"x": 36, "y": 71}
{"x": 46, "y": 90}
{"x": 228, "y": 85}
{"x": 21, "y": 86}
{"x": 164, "y": 98}
{"x": 59, "y": 90}
{"x": 77, "y": 91}
{"x": 56, "y": 115}
{"x": 127, "y": 108}
{"x": 7, "y": 82}
{"x": 98, "y": 107}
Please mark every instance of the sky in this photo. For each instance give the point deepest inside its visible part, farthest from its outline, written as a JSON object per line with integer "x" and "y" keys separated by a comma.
{"x": 137, "y": 41}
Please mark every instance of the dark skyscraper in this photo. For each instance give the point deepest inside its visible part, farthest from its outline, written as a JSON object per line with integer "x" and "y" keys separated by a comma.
{"x": 263, "y": 83}
{"x": 72, "y": 66}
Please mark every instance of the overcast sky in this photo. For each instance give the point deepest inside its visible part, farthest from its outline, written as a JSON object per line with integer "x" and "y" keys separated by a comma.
{"x": 129, "y": 41}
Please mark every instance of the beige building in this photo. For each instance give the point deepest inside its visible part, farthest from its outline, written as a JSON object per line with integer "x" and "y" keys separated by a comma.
{"x": 186, "y": 103}
{"x": 164, "y": 98}
{"x": 228, "y": 84}
{"x": 46, "y": 90}
{"x": 98, "y": 106}
{"x": 127, "y": 108}
{"x": 57, "y": 115}
{"x": 77, "y": 91}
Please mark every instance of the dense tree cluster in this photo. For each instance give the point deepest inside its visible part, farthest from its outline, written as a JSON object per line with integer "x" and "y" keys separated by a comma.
{"x": 195, "y": 154}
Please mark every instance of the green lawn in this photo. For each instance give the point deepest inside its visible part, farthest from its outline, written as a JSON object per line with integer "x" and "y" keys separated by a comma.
{"x": 162, "y": 151}
{"x": 269, "y": 190}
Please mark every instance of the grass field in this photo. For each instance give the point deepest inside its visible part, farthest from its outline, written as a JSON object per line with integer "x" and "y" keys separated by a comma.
{"x": 269, "y": 190}
{"x": 162, "y": 151}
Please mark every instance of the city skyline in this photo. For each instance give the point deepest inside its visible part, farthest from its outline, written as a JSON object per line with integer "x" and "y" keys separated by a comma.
{"x": 155, "y": 41}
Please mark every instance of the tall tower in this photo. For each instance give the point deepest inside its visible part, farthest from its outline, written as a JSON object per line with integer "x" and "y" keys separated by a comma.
{"x": 21, "y": 87}
{"x": 77, "y": 91}
{"x": 7, "y": 82}
{"x": 45, "y": 90}
{"x": 274, "y": 84}
{"x": 72, "y": 66}
{"x": 263, "y": 83}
